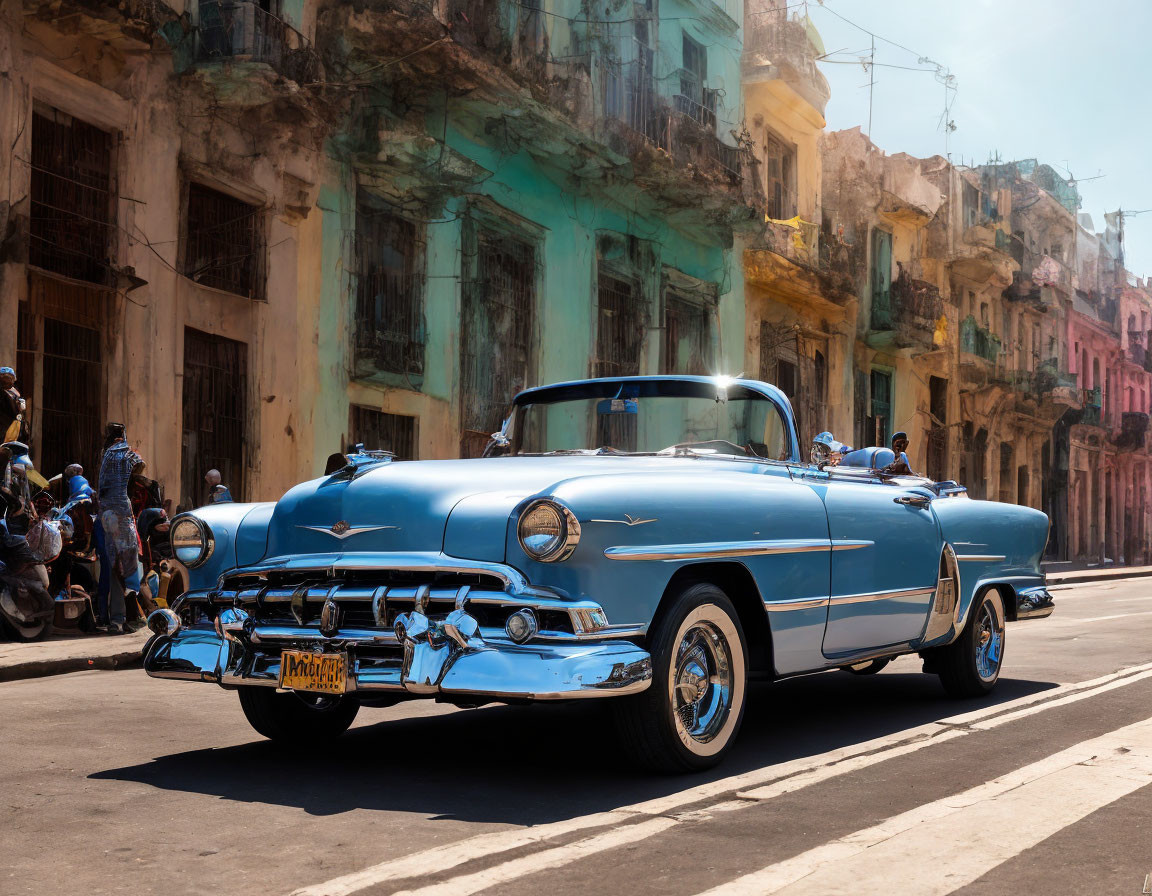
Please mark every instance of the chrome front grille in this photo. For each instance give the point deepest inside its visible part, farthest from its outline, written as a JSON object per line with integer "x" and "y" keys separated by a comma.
{"x": 368, "y": 613}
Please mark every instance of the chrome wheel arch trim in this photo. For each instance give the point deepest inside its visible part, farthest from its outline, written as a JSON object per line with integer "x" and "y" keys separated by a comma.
{"x": 712, "y": 550}
{"x": 944, "y": 616}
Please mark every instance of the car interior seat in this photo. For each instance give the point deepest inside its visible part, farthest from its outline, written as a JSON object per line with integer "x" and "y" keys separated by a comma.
{"x": 869, "y": 458}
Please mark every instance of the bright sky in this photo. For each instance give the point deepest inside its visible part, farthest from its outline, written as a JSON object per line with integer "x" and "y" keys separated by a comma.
{"x": 1067, "y": 82}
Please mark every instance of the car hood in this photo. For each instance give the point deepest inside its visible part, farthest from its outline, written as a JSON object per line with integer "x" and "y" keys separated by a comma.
{"x": 408, "y": 506}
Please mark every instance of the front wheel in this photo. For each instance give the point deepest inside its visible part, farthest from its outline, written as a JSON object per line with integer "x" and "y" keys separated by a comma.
{"x": 297, "y": 719}
{"x": 688, "y": 718}
{"x": 970, "y": 665}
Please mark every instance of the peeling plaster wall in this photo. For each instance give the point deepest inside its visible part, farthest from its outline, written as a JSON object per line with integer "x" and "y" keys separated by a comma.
{"x": 569, "y": 220}
{"x": 503, "y": 153}
{"x": 170, "y": 131}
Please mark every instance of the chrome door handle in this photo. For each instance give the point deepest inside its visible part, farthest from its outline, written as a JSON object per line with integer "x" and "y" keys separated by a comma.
{"x": 913, "y": 500}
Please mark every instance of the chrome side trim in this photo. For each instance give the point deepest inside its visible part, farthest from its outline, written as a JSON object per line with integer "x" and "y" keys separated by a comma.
{"x": 867, "y": 596}
{"x": 707, "y": 550}
{"x": 799, "y": 603}
{"x": 981, "y": 558}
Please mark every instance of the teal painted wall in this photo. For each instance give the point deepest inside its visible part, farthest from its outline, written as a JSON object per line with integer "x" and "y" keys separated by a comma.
{"x": 512, "y": 176}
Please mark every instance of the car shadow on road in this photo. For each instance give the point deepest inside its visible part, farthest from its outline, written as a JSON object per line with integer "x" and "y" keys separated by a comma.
{"x": 536, "y": 764}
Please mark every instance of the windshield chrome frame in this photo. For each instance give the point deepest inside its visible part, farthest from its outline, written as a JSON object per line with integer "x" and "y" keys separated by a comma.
{"x": 540, "y": 394}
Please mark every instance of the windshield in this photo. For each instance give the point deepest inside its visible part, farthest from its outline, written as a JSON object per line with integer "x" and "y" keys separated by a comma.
{"x": 650, "y": 417}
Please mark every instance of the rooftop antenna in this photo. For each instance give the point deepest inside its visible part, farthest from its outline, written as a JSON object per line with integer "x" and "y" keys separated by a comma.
{"x": 1073, "y": 180}
{"x": 945, "y": 77}
{"x": 1121, "y": 214}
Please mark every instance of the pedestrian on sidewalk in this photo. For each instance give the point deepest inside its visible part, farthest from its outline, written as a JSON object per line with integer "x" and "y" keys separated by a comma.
{"x": 218, "y": 493}
{"x": 12, "y": 407}
{"x": 121, "y": 543}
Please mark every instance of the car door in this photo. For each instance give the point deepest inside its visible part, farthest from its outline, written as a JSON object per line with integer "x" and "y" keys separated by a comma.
{"x": 885, "y": 562}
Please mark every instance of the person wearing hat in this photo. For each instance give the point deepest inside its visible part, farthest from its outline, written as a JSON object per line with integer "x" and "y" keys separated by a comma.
{"x": 12, "y": 406}
{"x": 901, "y": 465}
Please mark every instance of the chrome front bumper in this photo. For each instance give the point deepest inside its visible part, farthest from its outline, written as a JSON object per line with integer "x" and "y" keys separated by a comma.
{"x": 428, "y": 640}
{"x": 424, "y": 666}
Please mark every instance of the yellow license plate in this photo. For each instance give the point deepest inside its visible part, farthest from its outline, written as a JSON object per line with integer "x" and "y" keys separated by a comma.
{"x": 321, "y": 673}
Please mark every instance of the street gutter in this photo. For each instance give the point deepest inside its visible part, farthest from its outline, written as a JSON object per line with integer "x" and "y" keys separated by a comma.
{"x": 1098, "y": 575}
{"x": 132, "y": 659}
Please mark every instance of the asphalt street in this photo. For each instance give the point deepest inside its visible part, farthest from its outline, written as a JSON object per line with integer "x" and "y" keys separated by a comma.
{"x": 112, "y": 782}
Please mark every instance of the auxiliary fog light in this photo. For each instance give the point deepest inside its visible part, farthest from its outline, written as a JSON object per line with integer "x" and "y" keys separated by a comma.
{"x": 521, "y": 626}
{"x": 163, "y": 622}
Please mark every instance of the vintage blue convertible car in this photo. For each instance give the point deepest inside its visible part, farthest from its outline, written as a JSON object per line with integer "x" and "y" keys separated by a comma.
{"x": 654, "y": 540}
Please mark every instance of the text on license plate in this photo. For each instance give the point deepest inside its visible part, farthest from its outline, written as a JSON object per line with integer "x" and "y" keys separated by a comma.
{"x": 323, "y": 673}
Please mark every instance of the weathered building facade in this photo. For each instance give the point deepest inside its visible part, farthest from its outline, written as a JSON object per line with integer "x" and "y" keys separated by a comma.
{"x": 1002, "y": 335}
{"x": 800, "y": 307}
{"x": 259, "y": 232}
{"x": 526, "y": 193}
{"x": 156, "y": 235}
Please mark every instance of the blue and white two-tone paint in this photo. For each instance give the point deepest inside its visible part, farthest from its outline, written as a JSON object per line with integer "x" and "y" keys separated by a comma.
{"x": 655, "y": 541}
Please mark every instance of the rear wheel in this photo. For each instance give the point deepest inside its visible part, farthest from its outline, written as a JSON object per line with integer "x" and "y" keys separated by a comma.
{"x": 298, "y": 719}
{"x": 970, "y": 665}
{"x": 688, "y": 718}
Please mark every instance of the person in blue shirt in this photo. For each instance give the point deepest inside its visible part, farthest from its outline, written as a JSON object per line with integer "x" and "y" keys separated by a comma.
{"x": 217, "y": 492}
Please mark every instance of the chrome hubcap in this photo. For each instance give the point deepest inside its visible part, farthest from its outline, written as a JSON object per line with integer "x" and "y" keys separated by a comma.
{"x": 989, "y": 642}
{"x": 702, "y": 695}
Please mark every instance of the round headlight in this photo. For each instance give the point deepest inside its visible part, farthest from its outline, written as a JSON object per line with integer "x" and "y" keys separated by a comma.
{"x": 548, "y": 531}
{"x": 191, "y": 541}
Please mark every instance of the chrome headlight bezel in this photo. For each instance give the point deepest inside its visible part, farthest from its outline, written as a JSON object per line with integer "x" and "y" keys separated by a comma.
{"x": 567, "y": 531}
{"x": 204, "y": 533}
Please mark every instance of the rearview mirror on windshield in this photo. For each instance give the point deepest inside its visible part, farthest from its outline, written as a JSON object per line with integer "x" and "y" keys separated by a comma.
{"x": 611, "y": 406}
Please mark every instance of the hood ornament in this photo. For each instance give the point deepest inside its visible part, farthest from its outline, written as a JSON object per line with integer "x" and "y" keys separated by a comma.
{"x": 340, "y": 529}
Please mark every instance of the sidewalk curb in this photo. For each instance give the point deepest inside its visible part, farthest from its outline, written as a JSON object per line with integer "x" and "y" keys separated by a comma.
{"x": 129, "y": 659}
{"x": 1076, "y": 578}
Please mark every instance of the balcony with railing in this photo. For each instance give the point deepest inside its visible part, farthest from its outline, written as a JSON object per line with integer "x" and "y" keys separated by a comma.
{"x": 1137, "y": 353}
{"x": 977, "y": 341}
{"x": 128, "y": 25}
{"x": 906, "y": 313}
{"x": 1132, "y": 435}
{"x": 983, "y": 253}
{"x": 241, "y": 31}
{"x": 1056, "y": 385}
{"x": 1092, "y": 404}
{"x": 798, "y": 262}
{"x": 776, "y": 48}
{"x": 681, "y": 126}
